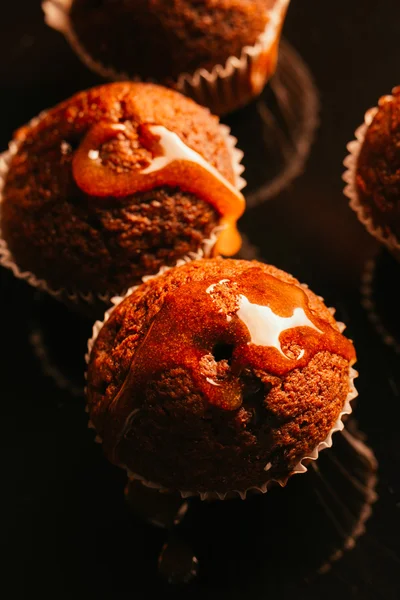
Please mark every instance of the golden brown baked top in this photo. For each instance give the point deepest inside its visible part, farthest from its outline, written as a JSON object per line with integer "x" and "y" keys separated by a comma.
{"x": 236, "y": 355}
{"x": 74, "y": 237}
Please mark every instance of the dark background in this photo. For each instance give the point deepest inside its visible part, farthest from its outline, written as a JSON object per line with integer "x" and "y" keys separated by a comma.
{"x": 66, "y": 530}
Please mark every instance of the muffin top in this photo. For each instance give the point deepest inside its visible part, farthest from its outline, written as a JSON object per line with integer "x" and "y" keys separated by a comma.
{"x": 162, "y": 39}
{"x": 217, "y": 375}
{"x": 99, "y": 192}
{"x": 378, "y": 167}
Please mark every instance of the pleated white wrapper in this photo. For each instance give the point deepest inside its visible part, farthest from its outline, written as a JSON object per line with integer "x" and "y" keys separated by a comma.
{"x": 223, "y": 89}
{"x": 74, "y": 298}
{"x": 349, "y": 176}
{"x": 212, "y": 494}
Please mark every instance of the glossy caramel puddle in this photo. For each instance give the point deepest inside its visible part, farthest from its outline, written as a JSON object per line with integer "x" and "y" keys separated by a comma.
{"x": 174, "y": 164}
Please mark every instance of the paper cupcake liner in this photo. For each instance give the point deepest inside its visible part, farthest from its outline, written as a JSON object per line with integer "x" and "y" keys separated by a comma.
{"x": 301, "y": 466}
{"x": 335, "y": 504}
{"x": 349, "y": 176}
{"x": 369, "y": 304}
{"x": 345, "y": 485}
{"x": 287, "y": 126}
{"x": 50, "y": 368}
{"x": 92, "y": 303}
{"x": 223, "y": 89}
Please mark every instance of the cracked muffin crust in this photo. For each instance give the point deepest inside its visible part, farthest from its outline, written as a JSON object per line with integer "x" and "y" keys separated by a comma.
{"x": 82, "y": 239}
{"x": 217, "y": 376}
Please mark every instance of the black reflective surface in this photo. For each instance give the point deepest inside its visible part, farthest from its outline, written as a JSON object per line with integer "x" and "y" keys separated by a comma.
{"x": 66, "y": 528}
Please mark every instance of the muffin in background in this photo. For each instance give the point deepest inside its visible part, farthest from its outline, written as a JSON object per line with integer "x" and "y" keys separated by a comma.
{"x": 114, "y": 184}
{"x": 373, "y": 172}
{"x": 218, "y": 376}
{"x": 220, "y": 52}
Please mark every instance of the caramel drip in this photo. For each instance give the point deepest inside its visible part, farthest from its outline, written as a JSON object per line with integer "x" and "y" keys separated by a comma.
{"x": 173, "y": 164}
{"x": 190, "y": 324}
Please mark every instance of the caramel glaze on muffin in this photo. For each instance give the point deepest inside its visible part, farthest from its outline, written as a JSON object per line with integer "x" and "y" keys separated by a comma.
{"x": 161, "y": 39}
{"x": 190, "y": 390}
{"x": 378, "y": 168}
{"x": 76, "y": 240}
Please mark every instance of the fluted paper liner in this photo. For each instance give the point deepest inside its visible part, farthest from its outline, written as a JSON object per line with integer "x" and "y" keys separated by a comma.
{"x": 368, "y": 302}
{"x": 49, "y": 368}
{"x": 223, "y": 89}
{"x": 87, "y": 301}
{"x": 301, "y": 465}
{"x": 349, "y": 176}
{"x": 359, "y": 467}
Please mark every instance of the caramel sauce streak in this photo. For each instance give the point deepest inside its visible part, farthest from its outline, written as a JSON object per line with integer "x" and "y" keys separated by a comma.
{"x": 190, "y": 324}
{"x": 179, "y": 167}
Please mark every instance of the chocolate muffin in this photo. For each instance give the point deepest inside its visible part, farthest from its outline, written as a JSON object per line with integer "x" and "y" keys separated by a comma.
{"x": 115, "y": 183}
{"x": 378, "y": 167}
{"x": 219, "y": 52}
{"x": 161, "y": 39}
{"x": 216, "y": 376}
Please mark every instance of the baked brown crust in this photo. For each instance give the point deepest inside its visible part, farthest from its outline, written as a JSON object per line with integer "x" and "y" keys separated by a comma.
{"x": 378, "y": 166}
{"x": 163, "y": 424}
{"x": 161, "y": 39}
{"x": 77, "y": 241}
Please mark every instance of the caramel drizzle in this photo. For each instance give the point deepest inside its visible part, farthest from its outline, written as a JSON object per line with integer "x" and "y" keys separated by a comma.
{"x": 174, "y": 164}
{"x": 265, "y": 327}
{"x": 190, "y": 324}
